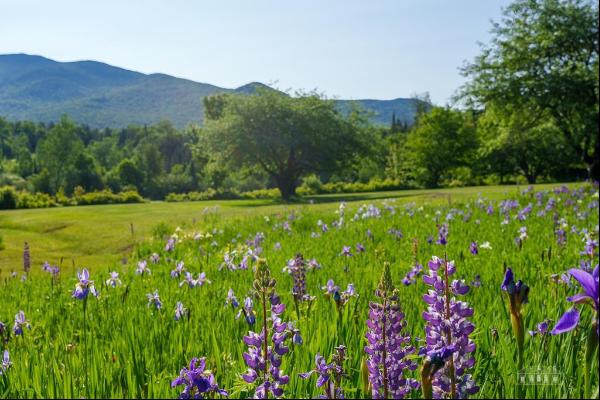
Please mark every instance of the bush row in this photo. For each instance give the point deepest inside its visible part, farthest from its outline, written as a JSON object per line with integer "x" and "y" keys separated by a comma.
{"x": 310, "y": 186}
{"x": 10, "y": 198}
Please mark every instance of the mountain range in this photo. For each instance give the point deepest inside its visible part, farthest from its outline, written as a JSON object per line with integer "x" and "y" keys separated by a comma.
{"x": 36, "y": 88}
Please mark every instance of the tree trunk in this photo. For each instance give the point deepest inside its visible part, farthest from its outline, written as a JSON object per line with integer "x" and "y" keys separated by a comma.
{"x": 287, "y": 186}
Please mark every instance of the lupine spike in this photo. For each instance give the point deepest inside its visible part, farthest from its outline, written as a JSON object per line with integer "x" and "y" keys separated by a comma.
{"x": 388, "y": 347}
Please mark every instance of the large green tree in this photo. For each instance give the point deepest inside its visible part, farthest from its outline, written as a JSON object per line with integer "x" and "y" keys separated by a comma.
{"x": 544, "y": 56}
{"x": 440, "y": 142}
{"x": 58, "y": 151}
{"x": 287, "y": 136}
{"x": 515, "y": 141}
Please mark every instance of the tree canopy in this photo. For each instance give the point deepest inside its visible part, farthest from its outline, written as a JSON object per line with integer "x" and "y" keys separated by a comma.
{"x": 543, "y": 57}
{"x": 287, "y": 137}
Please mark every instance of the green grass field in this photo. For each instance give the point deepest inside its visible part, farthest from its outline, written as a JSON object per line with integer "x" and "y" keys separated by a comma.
{"x": 120, "y": 345}
{"x": 95, "y": 236}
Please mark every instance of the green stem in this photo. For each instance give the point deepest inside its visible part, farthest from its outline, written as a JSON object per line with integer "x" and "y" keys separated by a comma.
{"x": 590, "y": 351}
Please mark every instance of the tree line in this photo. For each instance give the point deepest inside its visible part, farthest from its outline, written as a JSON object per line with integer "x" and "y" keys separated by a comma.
{"x": 527, "y": 112}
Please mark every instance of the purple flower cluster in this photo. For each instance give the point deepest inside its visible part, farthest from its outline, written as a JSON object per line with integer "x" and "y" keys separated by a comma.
{"x": 447, "y": 331}
{"x": 197, "y": 381}
{"x": 5, "y": 365}
{"x": 248, "y": 311}
{"x": 411, "y": 276}
{"x": 266, "y": 349}
{"x": 387, "y": 345}
{"x": 26, "y": 258}
{"x": 442, "y": 234}
{"x": 297, "y": 268}
{"x": 589, "y": 283}
{"x": 20, "y": 322}
{"x": 330, "y": 374}
{"x": 84, "y": 286}
{"x": 51, "y": 269}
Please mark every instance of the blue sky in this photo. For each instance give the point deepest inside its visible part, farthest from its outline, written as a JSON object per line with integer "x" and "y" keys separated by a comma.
{"x": 345, "y": 49}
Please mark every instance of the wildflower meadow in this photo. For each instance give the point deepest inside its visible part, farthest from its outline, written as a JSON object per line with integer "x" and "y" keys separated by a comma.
{"x": 379, "y": 299}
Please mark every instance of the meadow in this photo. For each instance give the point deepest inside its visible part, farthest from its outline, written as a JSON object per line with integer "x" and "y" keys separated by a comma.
{"x": 101, "y": 235}
{"x": 150, "y": 321}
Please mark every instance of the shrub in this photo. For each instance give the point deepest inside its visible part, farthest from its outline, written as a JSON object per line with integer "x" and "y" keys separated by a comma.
{"x": 8, "y": 198}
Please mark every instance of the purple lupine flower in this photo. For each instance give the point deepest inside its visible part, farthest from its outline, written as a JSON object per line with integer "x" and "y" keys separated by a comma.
{"x": 5, "y": 363}
{"x": 231, "y": 299}
{"x": 142, "y": 268}
{"x": 329, "y": 375}
{"x": 541, "y": 328}
{"x": 154, "y": 300}
{"x": 179, "y": 269}
{"x": 387, "y": 345}
{"x": 297, "y": 268}
{"x": 114, "y": 280}
{"x": 346, "y": 251}
{"x": 84, "y": 286}
{"x": 248, "y": 311}
{"x": 474, "y": 248}
{"x": 589, "y": 283}
{"x": 442, "y": 234}
{"x": 447, "y": 330}
{"x": 266, "y": 349}
{"x": 20, "y": 322}
{"x": 198, "y": 382}
{"x": 180, "y": 311}
{"x": 26, "y": 258}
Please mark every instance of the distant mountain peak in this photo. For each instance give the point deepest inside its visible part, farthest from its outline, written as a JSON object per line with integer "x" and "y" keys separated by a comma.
{"x": 36, "y": 88}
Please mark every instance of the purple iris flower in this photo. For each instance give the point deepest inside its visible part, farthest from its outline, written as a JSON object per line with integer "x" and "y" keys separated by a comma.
{"x": 5, "y": 363}
{"x": 180, "y": 311}
{"x": 51, "y": 269}
{"x": 198, "y": 382}
{"x": 154, "y": 299}
{"x": 589, "y": 283}
{"x": 84, "y": 286}
{"x": 329, "y": 375}
{"x": 170, "y": 246}
{"x": 142, "y": 268}
{"x": 330, "y": 288}
{"x": 541, "y": 328}
{"x": 154, "y": 258}
{"x": 443, "y": 234}
{"x": 346, "y": 251}
{"x": 474, "y": 248}
{"x": 20, "y": 323}
{"x": 360, "y": 248}
{"x": 179, "y": 269}
{"x": 114, "y": 280}
{"x": 231, "y": 299}
{"x": 248, "y": 311}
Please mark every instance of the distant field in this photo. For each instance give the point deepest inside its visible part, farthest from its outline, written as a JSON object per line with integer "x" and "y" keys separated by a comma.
{"x": 95, "y": 236}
